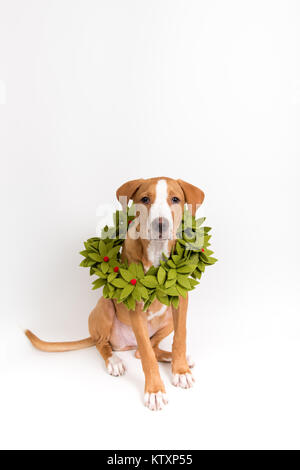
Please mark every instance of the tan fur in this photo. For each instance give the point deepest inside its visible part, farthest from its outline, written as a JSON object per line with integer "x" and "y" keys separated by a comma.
{"x": 102, "y": 320}
{"x": 48, "y": 346}
{"x": 193, "y": 195}
{"x": 179, "y": 361}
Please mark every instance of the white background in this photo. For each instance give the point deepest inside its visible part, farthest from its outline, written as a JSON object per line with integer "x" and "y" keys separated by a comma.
{"x": 99, "y": 92}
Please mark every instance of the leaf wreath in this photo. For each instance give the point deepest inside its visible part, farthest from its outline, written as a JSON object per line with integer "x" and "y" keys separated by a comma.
{"x": 174, "y": 277}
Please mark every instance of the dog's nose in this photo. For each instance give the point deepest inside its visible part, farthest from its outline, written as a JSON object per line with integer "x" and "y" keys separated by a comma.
{"x": 160, "y": 225}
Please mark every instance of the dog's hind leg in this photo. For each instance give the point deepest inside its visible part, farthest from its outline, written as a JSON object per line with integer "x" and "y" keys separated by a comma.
{"x": 100, "y": 326}
{"x": 161, "y": 355}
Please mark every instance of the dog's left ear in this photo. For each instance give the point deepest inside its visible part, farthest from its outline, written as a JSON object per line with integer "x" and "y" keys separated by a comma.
{"x": 193, "y": 195}
{"x": 127, "y": 190}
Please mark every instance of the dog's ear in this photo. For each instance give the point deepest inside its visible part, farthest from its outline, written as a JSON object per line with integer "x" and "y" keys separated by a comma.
{"x": 127, "y": 191}
{"x": 193, "y": 195}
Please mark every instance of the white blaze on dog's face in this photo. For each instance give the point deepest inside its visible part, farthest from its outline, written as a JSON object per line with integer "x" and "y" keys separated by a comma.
{"x": 160, "y": 220}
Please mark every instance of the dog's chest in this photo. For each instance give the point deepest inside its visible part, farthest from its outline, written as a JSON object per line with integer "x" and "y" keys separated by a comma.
{"x": 122, "y": 335}
{"x": 156, "y": 249}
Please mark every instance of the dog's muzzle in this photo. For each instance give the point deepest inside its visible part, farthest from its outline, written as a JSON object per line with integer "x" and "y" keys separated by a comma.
{"x": 160, "y": 228}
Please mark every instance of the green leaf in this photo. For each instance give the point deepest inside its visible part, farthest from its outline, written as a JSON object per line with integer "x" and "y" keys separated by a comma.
{"x": 187, "y": 269}
{"x": 175, "y": 301}
{"x": 182, "y": 291}
{"x": 171, "y": 264}
{"x": 171, "y": 291}
{"x": 164, "y": 299}
{"x": 133, "y": 269}
{"x": 95, "y": 257}
{"x": 161, "y": 275}
{"x": 125, "y": 274}
{"x": 169, "y": 283}
{"x": 113, "y": 252}
{"x": 209, "y": 252}
{"x": 143, "y": 291}
{"x": 117, "y": 294}
{"x": 172, "y": 274}
{"x": 203, "y": 257}
{"x": 119, "y": 283}
{"x": 179, "y": 249}
{"x": 93, "y": 239}
{"x": 194, "y": 259}
{"x": 111, "y": 277}
{"x": 126, "y": 291}
{"x": 198, "y": 274}
{"x": 183, "y": 281}
{"x": 136, "y": 294}
{"x": 90, "y": 262}
{"x": 104, "y": 267}
{"x": 176, "y": 258}
{"x": 211, "y": 260}
{"x": 146, "y": 305}
{"x": 149, "y": 301}
{"x": 130, "y": 302}
{"x": 84, "y": 263}
{"x": 105, "y": 292}
{"x": 98, "y": 283}
{"x": 139, "y": 271}
{"x": 201, "y": 266}
{"x": 100, "y": 274}
{"x": 102, "y": 248}
{"x": 152, "y": 271}
{"x": 149, "y": 281}
{"x": 111, "y": 290}
{"x": 92, "y": 247}
{"x": 200, "y": 221}
{"x": 84, "y": 253}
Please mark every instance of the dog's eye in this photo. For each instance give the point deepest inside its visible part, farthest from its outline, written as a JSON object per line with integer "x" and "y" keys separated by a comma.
{"x": 175, "y": 200}
{"x": 145, "y": 200}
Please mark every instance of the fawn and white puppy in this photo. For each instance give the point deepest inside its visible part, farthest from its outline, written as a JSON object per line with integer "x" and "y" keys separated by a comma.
{"x": 115, "y": 328}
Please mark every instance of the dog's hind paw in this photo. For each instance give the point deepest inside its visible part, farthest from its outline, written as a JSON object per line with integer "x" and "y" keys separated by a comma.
{"x": 115, "y": 366}
{"x": 190, "y": 361}
{"x": 183, "y": 380}
{"x": 155, "y": 401}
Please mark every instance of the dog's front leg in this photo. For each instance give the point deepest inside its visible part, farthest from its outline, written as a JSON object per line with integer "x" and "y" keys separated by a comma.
{"x": 182, "y": 376}
{"x": 155, "y": 395}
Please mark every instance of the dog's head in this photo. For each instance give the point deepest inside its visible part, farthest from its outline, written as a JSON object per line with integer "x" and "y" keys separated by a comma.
{"x": 159, "y": 204}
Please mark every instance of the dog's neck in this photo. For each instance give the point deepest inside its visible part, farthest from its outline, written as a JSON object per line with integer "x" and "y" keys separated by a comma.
{"x": 149, "y": 252}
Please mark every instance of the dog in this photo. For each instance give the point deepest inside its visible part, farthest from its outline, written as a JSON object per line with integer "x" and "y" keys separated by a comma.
{"x": 112, "y": 326}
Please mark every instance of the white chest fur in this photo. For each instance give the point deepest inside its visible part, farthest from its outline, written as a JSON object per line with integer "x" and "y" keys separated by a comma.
{"x": 155, "y": 250}
{"x": 160, "y": 312}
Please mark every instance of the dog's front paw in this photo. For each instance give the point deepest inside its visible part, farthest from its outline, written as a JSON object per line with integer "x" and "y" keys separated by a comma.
{"x": 115, "y": 366}
{"x": 155, "y": 401}
{"x": 183, "y": 380}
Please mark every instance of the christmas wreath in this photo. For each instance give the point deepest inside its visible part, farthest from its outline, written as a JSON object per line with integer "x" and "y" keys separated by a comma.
{"x": 129, "y": 284}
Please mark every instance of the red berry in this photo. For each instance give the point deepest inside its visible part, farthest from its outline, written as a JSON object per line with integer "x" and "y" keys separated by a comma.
{"x": 133, "y": 282}
{"x": 116, "y": 269}
{"x": 106, "y": 258}
{"x": 129, "y": 222}
{"x": 202, "y": 250}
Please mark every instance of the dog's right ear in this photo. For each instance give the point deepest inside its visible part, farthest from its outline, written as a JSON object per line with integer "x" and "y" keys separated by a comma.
{"x": 127, "y": 191}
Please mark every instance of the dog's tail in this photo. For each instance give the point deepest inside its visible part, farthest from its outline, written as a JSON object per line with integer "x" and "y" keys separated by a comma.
{"x": 59, "y": 347}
